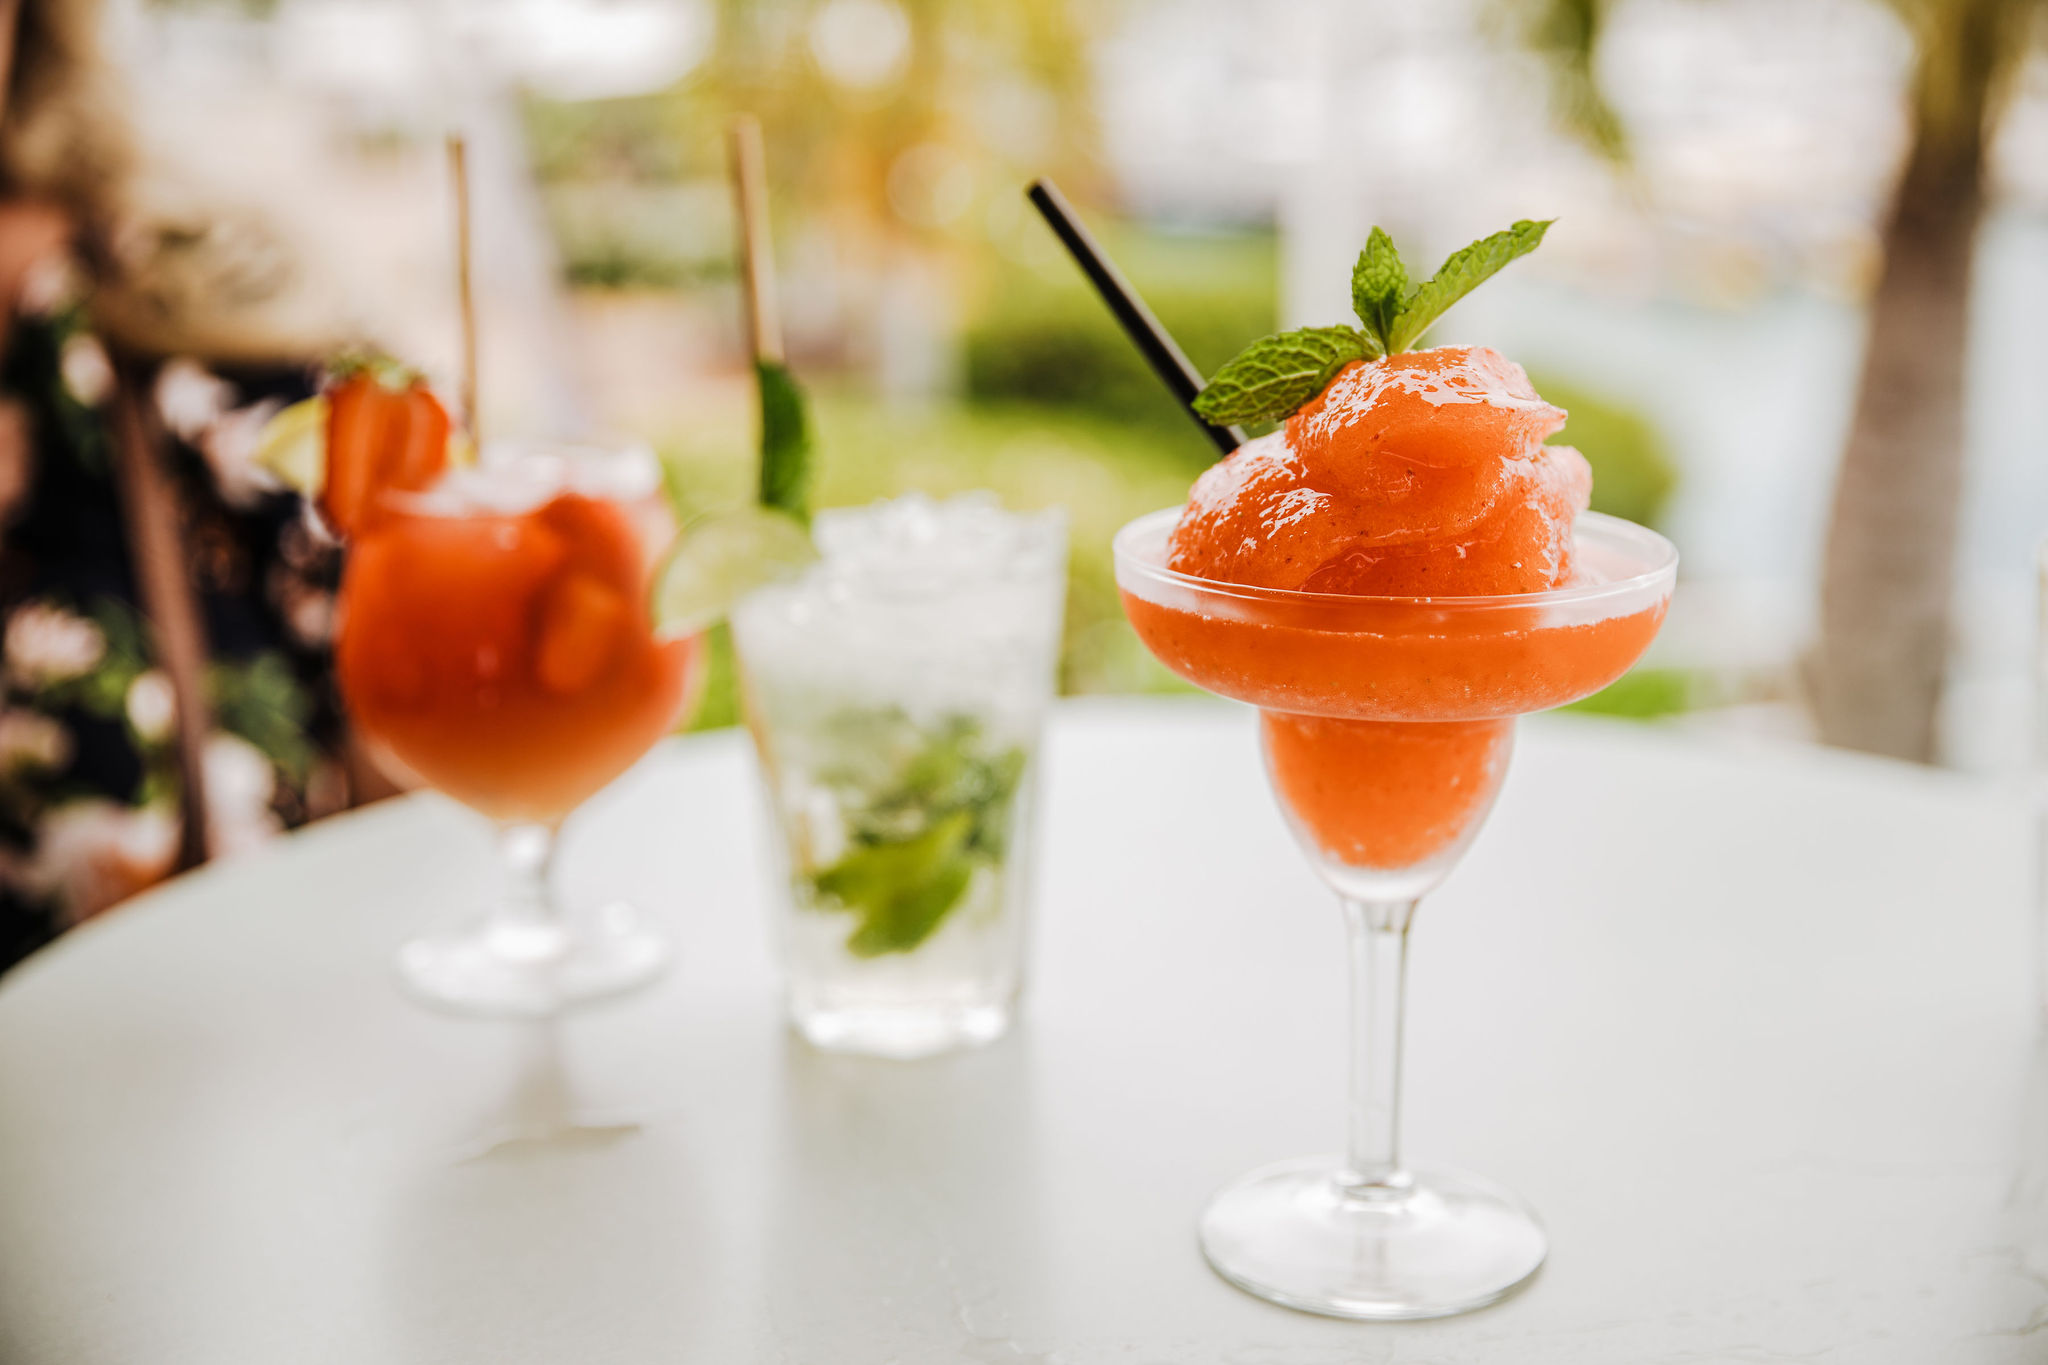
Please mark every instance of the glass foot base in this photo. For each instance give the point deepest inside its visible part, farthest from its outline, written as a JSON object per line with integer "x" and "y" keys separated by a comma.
{"x": 500, "y": 969}
{"x": 904, "y": 1034}
{"x": 1447, "y": 1244}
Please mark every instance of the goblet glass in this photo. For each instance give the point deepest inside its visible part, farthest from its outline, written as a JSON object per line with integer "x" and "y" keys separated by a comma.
{"x": 496, "y": 644}
{"x": 1387, "y": 723}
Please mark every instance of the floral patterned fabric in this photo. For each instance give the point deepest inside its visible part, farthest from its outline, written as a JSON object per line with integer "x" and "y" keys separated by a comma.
{"x": 88, "y": 773}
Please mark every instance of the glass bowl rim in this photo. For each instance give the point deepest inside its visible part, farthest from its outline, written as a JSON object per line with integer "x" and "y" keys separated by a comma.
{"x": 1614, "y": 530}
{"x": 499, "y": 459}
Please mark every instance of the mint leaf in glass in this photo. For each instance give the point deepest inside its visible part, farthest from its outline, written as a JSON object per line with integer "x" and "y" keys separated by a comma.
{"x": 902, "y": 889}
{"x": 925, "y": 808}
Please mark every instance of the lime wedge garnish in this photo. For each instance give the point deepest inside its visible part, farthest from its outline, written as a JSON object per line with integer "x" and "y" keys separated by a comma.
{"x": 720, "y": 559}
{"x": 293, "y": 445}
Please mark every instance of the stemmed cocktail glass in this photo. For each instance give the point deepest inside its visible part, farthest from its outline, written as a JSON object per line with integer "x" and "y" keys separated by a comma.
{"x": 496, "y": 643}
{"x": 1387, "y": 723}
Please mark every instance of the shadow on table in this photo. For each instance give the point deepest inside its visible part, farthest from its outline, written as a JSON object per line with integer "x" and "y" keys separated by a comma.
{"x": 542, "y": 1109}
{"x": 550, "y": 1231}
{"x": 906, "y": 1209}
{"x": 2026, "y": 1306}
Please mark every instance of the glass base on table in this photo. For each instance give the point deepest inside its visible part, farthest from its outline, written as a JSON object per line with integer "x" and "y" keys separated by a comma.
{"x": 905, "y": 1033}
{"x": 503, "y": 968}
{"x": 1434, "y": 1244}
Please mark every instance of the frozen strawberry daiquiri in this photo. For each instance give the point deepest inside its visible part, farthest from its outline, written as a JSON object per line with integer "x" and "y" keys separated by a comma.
{"x": 496, "y": 643}
{"x": 1391, "y": 577}
{"x": 1405, "y": 549}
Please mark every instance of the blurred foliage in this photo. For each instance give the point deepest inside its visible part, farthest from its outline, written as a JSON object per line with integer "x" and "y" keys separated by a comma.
{"x": 248, "y": 9}
{"x": 720, "y": 705}
{"x": 1043, "y": 336}
{"x": 984, "y": 92}
{"x": 1633, "y": 472}
{"x": 635, "y": 140}
{"x": 890, "y": 124}
{"x": 1566, "y": 33}
{"x": 611, "y": 263}
{"x": 261, "y": 699}
{"x": 1645, "y": 694}
{"x": 628, "y": 235}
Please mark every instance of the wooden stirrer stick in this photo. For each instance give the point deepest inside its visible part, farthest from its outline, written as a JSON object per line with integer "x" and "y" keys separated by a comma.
{"x": 757, "y": 260}
{"x": 458, "y": 173}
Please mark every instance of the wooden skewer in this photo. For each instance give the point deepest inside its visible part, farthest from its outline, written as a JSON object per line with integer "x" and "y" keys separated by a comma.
{"x": 152, "y": 515}
{"x": 458, "y": 173}
{"x": 757, "y": 260}
{"x": 10, "y": 25}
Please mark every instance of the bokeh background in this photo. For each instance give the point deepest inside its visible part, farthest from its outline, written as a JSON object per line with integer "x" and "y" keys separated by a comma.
{"x": 1787, "y": 229}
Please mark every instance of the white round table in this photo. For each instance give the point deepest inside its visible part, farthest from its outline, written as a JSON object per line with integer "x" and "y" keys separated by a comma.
{"x": 1755, "y": 1031}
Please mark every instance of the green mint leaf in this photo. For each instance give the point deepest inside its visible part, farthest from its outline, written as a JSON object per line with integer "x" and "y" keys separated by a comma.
{"x": 957, "y": 772}
{"x": 1269, "y": 379}
{"x": 1379, "y": 284}
{"x": 910, "y": 918}
{"x": 925, "y": 807}
{"x": 1465, "y": 271}
{"x": 998, "y": 781}
{"x": 785, "y": 442}
{"x": 902, "y": 889}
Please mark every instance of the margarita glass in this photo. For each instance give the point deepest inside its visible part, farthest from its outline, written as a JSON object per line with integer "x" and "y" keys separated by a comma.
{"x": 1387, "y": 723}
{"x": 495, "y": 643}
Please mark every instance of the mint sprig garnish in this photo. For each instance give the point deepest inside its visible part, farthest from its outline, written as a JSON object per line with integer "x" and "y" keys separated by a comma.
{"x": 1465, "y": 271}
{"x": 1379, "y": 287}
{"x": 785, "y": 442}
{"x": 1269, "y": 379}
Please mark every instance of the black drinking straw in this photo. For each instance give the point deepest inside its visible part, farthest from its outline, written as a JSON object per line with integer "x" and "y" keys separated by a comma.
{"x": 1167, "y": 360}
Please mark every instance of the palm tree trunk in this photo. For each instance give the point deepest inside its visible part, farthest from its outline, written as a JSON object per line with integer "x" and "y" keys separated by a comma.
{"x": 1875, "y": 677}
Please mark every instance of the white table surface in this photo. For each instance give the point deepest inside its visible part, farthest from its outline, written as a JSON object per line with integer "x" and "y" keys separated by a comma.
{"x": 1753, "y": 1029}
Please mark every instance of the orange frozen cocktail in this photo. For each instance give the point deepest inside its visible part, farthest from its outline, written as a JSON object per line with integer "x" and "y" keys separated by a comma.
{"x": 1391, "y": 576}
{"x": 1328, "y": 574}
{"x": 504, "y": 653}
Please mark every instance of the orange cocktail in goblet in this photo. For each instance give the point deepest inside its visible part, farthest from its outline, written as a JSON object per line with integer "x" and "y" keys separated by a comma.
{"x": 1387, "y": 723}
{"x": 1396, "y": 570}
{"x": 496, "y": 643}
{"x": 1392, "y": 577}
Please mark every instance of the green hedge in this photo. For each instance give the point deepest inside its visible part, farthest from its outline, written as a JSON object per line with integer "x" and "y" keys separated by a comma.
{"x": 1044, "y": 338}
{"x": 1633, "y": 474}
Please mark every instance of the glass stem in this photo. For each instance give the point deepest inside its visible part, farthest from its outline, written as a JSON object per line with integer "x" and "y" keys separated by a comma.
{"x": 528, "y": 924}
{"x": 1378, "y": 934}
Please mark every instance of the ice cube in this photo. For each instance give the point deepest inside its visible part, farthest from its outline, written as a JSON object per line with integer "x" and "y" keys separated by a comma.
{"x": 916, "y": 543}
{"x": 511, "y": 477}
{"x": 919, "y": 603}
